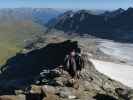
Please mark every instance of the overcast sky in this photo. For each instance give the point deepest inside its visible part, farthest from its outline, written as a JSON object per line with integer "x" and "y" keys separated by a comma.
{"x": 80, "y": 4}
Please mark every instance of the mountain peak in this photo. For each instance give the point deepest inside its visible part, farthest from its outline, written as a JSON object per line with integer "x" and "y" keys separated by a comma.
{"x": 120, "y": 10}
{"x": 68, "y": 13}
{"x": 114, "y": 13}
{"x": 130, "y": 9}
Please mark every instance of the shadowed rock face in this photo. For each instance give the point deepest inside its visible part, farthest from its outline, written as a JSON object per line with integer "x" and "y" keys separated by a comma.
{"x": 22, "y": 68}
{"x": 104, "y": 97}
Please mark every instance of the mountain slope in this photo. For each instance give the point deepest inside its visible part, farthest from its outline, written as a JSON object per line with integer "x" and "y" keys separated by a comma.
{"x": 13, "y": 35}
{"x": 36, "y": 14}
{"x": 116, "y": 25}
{"x": 19, "y": 24}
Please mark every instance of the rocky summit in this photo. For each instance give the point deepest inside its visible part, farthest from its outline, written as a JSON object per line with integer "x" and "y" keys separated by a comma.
{"x": 35, "y": 75}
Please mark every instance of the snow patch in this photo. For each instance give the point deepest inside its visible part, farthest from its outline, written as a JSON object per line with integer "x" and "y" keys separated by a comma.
{"x": 119, "y": 72}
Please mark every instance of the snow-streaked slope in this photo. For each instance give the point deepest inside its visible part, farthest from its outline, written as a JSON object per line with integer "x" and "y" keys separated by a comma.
{"x": 121, "y": 51}
{"x": 119, "y": 72}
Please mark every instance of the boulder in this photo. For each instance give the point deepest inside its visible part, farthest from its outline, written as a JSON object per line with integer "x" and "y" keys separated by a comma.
{"x": 61, "y": 80}
{"x": 68, "y": 93}
{"x": 36, "y": 89}
{"x": 17, "y": 92}
{"x": 46, "y": 89}
{"x": 13, "y": 97}
{"x": 51, "y": 97}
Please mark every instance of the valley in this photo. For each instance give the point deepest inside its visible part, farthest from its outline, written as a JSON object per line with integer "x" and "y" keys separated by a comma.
{"x": 20, "y": 24}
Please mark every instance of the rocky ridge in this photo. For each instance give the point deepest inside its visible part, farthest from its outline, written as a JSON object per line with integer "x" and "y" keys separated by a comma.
{"x": 50, "y": 84}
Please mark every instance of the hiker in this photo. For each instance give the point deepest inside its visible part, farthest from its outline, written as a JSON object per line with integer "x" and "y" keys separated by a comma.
{"x": 70, "y": 63}
{"x": 79, "y": 64}
{"x": 74, "y": 63}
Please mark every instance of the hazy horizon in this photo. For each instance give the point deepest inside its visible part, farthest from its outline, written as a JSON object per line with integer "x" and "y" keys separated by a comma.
{"x": 76, "y": 9}
{"x": 67, "y": 4}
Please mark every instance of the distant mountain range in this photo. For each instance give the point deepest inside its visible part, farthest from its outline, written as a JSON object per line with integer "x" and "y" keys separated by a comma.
{"x": 115, "y": 25}
{"x": 20, "y": 24}
{"x": 37, "y": 14}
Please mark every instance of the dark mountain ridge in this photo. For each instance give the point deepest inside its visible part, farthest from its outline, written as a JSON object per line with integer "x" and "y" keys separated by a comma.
{"x": 115, "y": 25}
{"x": 113, "y": 13}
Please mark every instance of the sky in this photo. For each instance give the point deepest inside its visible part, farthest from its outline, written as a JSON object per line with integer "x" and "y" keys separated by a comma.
{"x": 72, "y": 4}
